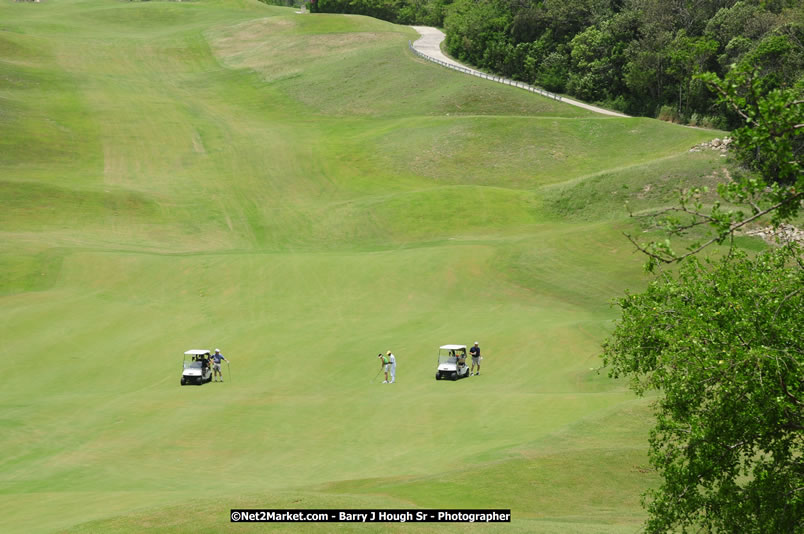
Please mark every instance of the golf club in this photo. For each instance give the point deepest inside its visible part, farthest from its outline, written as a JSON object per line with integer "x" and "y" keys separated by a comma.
{"x": 378, "y": 372}
{"x": 229, "y": 368}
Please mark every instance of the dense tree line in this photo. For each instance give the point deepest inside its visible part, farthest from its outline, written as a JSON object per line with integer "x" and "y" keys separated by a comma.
{"x": 636, "y": 56}
{"x": 283, "y": 3}
{"x": 423, "y": 12}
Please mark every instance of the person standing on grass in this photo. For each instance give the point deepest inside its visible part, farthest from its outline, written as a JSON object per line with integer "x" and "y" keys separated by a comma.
{"x": 216, "y": 364}
{"x": 475, "y": 352}
{"x": 384, "y": 365}
{"x": 392, "y": 361}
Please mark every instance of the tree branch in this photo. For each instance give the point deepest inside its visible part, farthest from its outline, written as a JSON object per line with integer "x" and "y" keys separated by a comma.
{"x": 789, "y": 395}
{"x": 719, "y": 237}
{"x": 794, "y": 293}
{"x": 726, "y": 97}
{"x": 644, "y": 250}
{"x": 776, "y": 206}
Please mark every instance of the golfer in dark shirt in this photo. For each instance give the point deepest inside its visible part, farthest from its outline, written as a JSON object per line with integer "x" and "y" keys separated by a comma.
{"x": 475, "y": 352}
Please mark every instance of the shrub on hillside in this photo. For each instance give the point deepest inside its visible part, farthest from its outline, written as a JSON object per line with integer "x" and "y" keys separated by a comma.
{"x": 668, "y": 114}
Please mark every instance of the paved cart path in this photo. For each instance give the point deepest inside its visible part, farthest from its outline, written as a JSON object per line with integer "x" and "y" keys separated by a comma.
{"x": 429, "y": 44}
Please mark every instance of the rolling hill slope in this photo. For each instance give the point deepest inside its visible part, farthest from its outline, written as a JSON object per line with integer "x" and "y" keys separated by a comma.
{"x": 304, "y": 193}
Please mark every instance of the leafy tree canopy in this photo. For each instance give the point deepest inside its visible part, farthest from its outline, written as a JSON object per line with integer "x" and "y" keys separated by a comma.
{"x": 724, "y": 342}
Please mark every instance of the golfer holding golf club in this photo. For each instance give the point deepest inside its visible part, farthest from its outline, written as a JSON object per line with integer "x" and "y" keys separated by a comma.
{"x": 384, "y": 364}
{"x": 392, "y": 360}
{"x": 216, "y": 364}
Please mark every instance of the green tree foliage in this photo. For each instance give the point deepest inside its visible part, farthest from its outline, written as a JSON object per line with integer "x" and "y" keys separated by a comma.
{"x": 285, "y": 3}
{"x": 724, "y": 342}
{"x": 743, "y": 21}
{"x": 771, "y": 141}
{"x": 644, "y": 54}
{"x": 478, "y": 30}
{"x": 688, "y": 56}
{"x": 594, "y": 66}
{"x": 425, "y": 12}
{"x": 769, "y": 146}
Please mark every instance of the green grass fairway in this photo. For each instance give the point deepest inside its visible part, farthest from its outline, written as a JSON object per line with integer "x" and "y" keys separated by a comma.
{"x": 303, "y": 192}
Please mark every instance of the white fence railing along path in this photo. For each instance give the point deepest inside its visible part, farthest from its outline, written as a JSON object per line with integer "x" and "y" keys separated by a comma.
{"x": 428, "y": 47}
{"x": 499, "y": 79}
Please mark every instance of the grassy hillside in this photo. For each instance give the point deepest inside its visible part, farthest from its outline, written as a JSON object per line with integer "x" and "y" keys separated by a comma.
{"x": 303, "y": 192}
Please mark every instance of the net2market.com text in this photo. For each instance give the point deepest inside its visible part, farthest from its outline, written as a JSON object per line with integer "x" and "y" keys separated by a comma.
{"x": 370, "y": 516}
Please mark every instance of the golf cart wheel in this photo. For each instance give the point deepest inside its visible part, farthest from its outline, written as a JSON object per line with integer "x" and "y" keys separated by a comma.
{"x": 438, "y": 376}
{"x": 455, "y": 375}
{"x": 183, "y": 381}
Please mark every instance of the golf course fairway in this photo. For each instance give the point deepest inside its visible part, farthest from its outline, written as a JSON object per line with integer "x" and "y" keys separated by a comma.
{"x": 304, "y": 193}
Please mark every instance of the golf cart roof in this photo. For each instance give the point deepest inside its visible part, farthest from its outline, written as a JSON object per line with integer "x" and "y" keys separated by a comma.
{"x": 196, "y": 352}
{"x": 453, "y": 347}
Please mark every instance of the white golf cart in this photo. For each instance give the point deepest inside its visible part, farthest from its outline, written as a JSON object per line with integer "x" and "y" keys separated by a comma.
{"x": 452, "y": 362}
{"x": 196, "y": 368}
